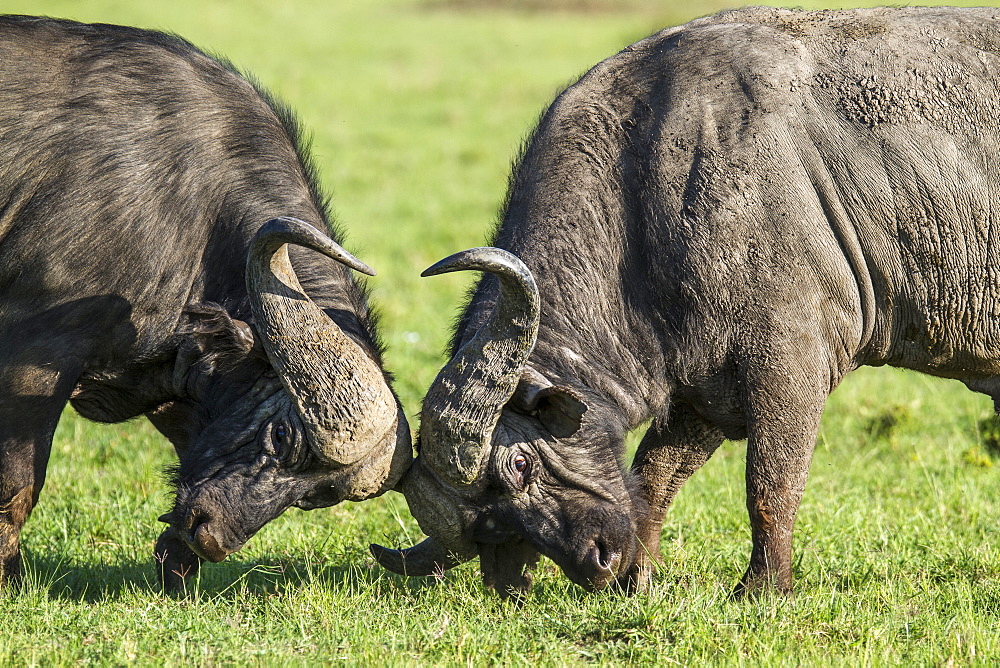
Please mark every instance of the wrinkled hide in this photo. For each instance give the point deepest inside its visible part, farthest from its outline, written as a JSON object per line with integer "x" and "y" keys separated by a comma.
{"x": 162, "y": 245}
{"x": 721, "y": 221}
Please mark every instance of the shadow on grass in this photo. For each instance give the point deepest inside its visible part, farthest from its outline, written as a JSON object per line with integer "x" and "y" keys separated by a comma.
{"x": 230, "y": 580}
{"x": 989, "y": 433}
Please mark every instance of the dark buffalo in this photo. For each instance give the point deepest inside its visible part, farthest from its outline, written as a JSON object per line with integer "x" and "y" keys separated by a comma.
{"x": 138, "y": 276}
{"x": 723, "y": 220}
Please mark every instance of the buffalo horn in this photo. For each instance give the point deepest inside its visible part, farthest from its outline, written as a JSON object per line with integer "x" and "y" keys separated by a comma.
{"x": 463, "y": 404}
{"x": 342, "y": 397}
{"x": 425, "y": 558}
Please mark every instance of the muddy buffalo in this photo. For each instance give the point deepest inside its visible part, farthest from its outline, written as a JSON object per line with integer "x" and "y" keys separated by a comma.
{"x": 707, "y": 232}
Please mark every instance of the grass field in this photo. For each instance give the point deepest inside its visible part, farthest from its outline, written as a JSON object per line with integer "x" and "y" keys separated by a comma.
{"x": 416, "y": 109}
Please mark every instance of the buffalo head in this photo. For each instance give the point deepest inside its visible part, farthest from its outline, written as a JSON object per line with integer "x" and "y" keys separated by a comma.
{"x": 511, "y": 464}
{"x": 300, "y": 414}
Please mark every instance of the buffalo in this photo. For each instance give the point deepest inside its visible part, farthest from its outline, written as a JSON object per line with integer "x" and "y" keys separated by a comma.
{"x": 705, "y": 233}
{"x": 165, "y": 251}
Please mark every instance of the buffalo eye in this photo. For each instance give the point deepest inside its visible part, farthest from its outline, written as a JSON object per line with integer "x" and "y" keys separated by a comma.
{"x": 521, "y": 467}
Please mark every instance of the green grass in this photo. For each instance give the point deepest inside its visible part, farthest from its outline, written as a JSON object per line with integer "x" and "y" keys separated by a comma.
{"x": 416, "y": 109}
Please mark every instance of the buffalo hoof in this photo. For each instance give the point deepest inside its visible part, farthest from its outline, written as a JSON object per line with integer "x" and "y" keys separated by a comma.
{"x": 754, "y": 586}
{"x": 176, "y": 564}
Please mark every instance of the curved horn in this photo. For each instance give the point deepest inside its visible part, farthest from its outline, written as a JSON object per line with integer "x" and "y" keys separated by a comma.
{"x": 425, "y": 558}
{"x": 463, "y": 404}
{"x": 339, "y": 392}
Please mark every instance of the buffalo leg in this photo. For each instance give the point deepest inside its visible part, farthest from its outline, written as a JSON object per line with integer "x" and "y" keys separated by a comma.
{"x": 782, "y": 433}
{"x": 30, "y": 405}
{"x": 667, "y": 456}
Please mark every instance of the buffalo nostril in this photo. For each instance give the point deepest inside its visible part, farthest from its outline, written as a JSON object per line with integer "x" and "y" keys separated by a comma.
{"x": 206, "y": 544}
{"x": 604, "y": 560}
{"x": 193, "y": 519}
{"x": 197, "y": 531}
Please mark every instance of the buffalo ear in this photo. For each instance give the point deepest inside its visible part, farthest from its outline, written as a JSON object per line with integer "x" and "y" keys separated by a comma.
{"x": 218, "y": 336}
{"x": 559, "y": 408}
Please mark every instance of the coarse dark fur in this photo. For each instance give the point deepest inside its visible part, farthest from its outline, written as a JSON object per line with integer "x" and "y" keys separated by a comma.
{"x": 134, "y": 173}
{"x": 723, "y": 220}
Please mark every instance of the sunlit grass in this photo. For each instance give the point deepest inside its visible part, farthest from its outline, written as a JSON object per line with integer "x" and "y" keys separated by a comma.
{"x": 416, "y": 110}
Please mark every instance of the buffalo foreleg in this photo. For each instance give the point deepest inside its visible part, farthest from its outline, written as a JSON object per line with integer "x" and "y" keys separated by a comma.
{"x": 31, "y": 401}
{"x": 783, "y": 421}
{"x": 13, "y": 514}
{"x": 667, "y": 456}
